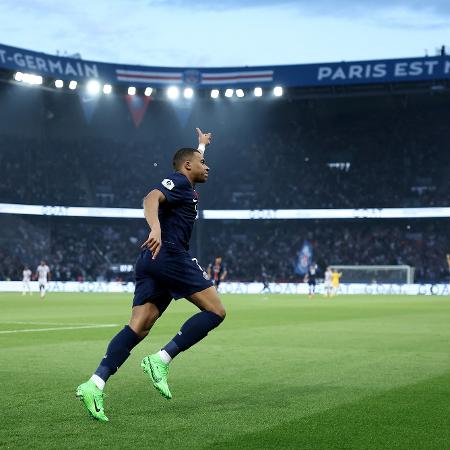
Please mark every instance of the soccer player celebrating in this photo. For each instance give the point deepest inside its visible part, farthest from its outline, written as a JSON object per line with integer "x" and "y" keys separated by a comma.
{"x": 43, "y": 272}
{"x": 217, "y": 271}
{"x": 26, "y": 278}
{"x": 164, "y": 270}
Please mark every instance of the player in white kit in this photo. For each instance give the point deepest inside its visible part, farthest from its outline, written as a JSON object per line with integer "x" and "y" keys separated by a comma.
{"x": 26, "y": 274}
{"x": 327, "y": 282}
{"x": 43, "y": 271}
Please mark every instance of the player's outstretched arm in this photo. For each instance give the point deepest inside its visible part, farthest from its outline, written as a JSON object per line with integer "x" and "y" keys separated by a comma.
{"x": 151, "y": 206}
{"x": 204, "y": 139}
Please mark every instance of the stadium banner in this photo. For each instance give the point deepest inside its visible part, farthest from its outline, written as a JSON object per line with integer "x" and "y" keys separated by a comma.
{"x": 242, "y": 288}
{"x": 236, "y": 214}
{"x": 301, "y": 75}
{"x": 304, "y": 258}
{"x": 137, "y": 104}
{"x": 88, "y": 104}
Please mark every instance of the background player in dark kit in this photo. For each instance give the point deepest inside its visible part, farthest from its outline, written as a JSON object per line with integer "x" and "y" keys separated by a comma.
{"x": 217, "y": 271}
{"x": 311, "y": 279}
{"x": 164, "y": 270}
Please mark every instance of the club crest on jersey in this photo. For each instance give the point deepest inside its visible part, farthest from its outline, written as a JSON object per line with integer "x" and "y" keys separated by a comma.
{"x": 168, "y": 184}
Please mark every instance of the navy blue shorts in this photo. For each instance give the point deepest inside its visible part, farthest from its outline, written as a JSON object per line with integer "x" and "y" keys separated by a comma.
{"x": 173, "y": 274}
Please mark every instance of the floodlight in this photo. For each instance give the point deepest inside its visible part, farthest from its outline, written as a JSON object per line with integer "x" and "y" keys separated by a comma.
{"x": 229, "y": 93}
{"x": 188, "y": 93}
{"x": 93, "y": 87}
{"x": 173, "y": 92}
{"x": 278, "y": 91}
{"x": 148, "y": 91}
{"x": 73, "y": 85}
{"x": 18, "y": 76}
{"x": 107, "y": 89}
{"x": 131, "y": 90}
{"x": 59, "y": 84}
{"x": 239, "y": 93}
{"x": 215, "y": 93}
{"x": 258, "y": 92}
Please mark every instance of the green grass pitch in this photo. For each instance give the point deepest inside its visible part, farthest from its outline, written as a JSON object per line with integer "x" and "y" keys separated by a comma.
{"x": 286, "y": 372}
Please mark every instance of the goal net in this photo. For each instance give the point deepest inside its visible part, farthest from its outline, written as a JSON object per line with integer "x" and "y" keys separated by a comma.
{"x": 376, "y": 274}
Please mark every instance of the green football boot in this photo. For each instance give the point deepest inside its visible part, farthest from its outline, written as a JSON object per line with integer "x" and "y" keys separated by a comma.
{"x": 92, "y": 398}
{"x": 157, "y": 371}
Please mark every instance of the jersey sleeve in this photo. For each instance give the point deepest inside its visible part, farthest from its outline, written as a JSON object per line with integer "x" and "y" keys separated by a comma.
{"x": 173, "y": 188}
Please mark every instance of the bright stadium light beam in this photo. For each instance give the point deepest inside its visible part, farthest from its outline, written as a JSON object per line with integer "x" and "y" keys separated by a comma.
{"x": 229, "y": 93}
{"x": 188, "y": 93}
{"x": 173, "y": 92}
{"x": 73, "y": 85}
{"x": 131, "y": 90}
{"x": 93, "y": 87}
{"x": 239, "y": 93}
{"x": 148, "y": 91}
{"x": 18, "y": 76}
{"x": 258, "y": 92}
{"x": 215, "y": 93}
{"x": 107, "y": 89}
{"x": 27, "y": 78}
{"x": 278, "y": 91}
{"x": 59, "y": 84}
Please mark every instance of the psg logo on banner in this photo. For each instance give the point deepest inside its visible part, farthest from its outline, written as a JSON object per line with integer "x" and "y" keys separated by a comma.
{"x": 192, "y": 77}
{"x": 138, "y": 106}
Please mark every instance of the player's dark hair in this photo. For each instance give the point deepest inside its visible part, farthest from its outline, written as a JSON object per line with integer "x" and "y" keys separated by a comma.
{"x": 182, "y": 155}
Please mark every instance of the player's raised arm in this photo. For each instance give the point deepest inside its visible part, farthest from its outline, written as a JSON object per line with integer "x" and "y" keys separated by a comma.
{"x": 204, "y": 139}
{"x": 151, "y": 206}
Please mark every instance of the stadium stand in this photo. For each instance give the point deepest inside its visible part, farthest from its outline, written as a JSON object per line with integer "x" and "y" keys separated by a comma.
{"x": 355, "y": 149}
{"x": 326, "y": 153}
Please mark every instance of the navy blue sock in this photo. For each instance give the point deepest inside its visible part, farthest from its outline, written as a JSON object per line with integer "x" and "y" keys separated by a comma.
{"x": 192, "y": 331}
{"x": 117, "y": 352}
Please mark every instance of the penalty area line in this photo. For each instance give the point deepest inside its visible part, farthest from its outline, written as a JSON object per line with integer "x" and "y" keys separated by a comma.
{"x": 83, "y": 327}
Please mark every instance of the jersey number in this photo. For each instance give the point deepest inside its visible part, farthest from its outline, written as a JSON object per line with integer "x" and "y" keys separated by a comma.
{"x": 196, "y": 262}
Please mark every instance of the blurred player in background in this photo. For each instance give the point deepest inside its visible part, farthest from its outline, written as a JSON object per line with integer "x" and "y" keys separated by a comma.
{"x": 265, "y": 281}
{"x": 327, "y": 282}
{"x": 335, "y": 281}
{"x": 26, "y": 278}
{"x": 217, "y": 271}
{"x": 164, "y": 270}
{"x": 310, "y": 278}
{"x": 43, "y": 275}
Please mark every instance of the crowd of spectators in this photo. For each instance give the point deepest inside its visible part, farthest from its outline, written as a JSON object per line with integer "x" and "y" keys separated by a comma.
{"x": 331, "y": 153}
{"x": 89, "y": 249}
{"x": 358, "y": 152}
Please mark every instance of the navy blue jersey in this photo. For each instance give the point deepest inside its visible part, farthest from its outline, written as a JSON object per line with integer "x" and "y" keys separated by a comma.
{"x": 217, "y": 270}
{"x": 312, "y": 273}
{"x": 177, "y": 214}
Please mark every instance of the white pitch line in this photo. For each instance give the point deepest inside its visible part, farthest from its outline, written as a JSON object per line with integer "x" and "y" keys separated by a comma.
{"x": 108, "y": 325}
{"x": 56, "y": 324}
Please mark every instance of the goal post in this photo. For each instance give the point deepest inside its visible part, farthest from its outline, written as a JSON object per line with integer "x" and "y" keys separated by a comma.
{"x": 376, "y": 274}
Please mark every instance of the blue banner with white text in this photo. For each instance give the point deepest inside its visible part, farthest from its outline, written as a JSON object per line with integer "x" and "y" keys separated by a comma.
{"x": 301, "y": 75}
